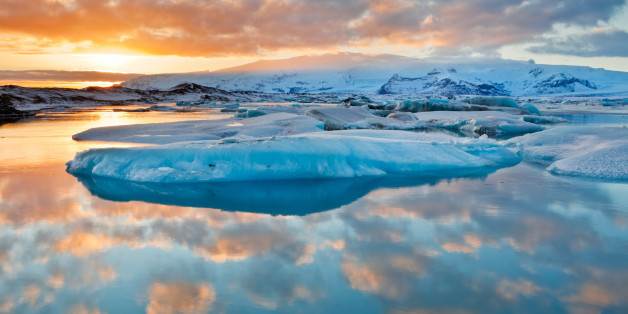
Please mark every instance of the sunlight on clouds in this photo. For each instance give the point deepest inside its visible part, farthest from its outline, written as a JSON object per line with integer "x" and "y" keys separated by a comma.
{"x": 116, "y": 62}
{"x": 84, "y": 309}
{"x": 108, "y": 62}
{"x": 128, "y": 35}
{"x": 180, "y": 297}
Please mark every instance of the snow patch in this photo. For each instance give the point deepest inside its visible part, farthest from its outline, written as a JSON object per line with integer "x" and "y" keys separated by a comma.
{"x": 595, "y": 151}
{"x": 273, "y": 124}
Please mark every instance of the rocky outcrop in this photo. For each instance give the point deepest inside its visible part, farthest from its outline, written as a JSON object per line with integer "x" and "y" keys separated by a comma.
{"x": 8, "y": 111}
{"x": 433, "y": 84}
{"x": 563, "y": 83}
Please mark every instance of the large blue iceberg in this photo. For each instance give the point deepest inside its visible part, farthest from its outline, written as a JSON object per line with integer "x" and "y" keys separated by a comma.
{"x": 335, "y": 154}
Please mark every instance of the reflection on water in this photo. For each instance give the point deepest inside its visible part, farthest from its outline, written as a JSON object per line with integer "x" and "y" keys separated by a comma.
{"x": 595, "y": 118}
{"x": 64, "y": 84}
{"x": 290, "y": 197}
{"x": 48, "y": 138}
{"x": 517, "y": 240}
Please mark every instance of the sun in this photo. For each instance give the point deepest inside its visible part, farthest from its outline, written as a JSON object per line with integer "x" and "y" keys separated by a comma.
{"x": 107, "y": 62}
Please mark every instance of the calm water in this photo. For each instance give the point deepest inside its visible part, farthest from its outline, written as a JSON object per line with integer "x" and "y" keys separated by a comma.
{"x": 516, "y": 240}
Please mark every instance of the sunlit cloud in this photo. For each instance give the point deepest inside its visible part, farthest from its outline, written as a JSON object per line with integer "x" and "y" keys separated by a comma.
{"x": 180, "y": 297}
{"x": 512, "y": 289}
{"x": 247, "y": 27}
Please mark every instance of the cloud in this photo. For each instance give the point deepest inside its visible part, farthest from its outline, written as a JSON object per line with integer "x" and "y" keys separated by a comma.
{"x": 75, "y": 76}
{"x": 180, "y": 297}
{"x": 599, "y": 44}
{"x": 247, "y": 27}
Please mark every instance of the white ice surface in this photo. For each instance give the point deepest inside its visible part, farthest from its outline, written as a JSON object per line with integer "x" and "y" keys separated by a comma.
{"x": 588, "y": 151}
{"x": 334, "y": 154}
{"x": 340, "y": 118}
{"x": 163, "y": 133}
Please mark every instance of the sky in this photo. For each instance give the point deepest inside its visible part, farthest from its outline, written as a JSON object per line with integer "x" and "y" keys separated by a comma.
{"x": 158, "y": 36}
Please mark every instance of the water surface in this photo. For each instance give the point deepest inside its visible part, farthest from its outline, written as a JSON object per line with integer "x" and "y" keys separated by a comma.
{"x": 515, "y": 240}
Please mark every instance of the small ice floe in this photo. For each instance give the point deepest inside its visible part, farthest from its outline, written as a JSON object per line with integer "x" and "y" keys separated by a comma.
{"x": 588, "y": 151}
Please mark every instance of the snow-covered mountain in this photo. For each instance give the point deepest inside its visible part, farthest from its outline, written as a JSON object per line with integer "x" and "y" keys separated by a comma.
{"x": 390, "y": 74}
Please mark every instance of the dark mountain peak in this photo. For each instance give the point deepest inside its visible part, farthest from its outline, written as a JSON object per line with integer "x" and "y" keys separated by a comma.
{"x": 536, "y": 72}
{"x": 187, "y": 87}
{"x": 434, "y": 71}
{"x": 561, "y": 83}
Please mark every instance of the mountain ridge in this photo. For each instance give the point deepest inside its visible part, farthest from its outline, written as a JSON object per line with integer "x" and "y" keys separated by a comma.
{"x": 358, "y": 73}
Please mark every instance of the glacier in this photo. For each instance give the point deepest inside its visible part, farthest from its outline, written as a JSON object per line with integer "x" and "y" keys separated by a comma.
{"x": 319, "y": 155}
{"x": 397, "y": 75}
{"x": 588, "y": 151}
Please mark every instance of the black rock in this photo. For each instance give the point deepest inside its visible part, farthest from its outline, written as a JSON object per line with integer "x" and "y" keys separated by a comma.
{"x": 8, "y": 111}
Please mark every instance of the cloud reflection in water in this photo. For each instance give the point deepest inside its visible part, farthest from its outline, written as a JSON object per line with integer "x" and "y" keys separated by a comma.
{"x": 513, "y": 241}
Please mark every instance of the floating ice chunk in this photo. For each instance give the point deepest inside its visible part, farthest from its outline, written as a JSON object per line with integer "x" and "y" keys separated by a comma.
{"x": 492, "y": 123}
{"x": 336, "y": 118}
{"x": 337, "y": 154}
{"x": 610, "y": 162}
{"x": 436, "y": 104}
{"x": 244, "y": 113}
{"x": 402, "y": 116}
{"x": 357, "y": 101}
{"x": 163, "y": 133}
{"x": 530, "y": 108}
{"x": 492, "y": 101}
{"x": 595, "y": 151}
{"x": 341, "y": 118}
{"x": 543, "y": 119}
{"x": 612, "y": 102}
{"x": 267, "y": 109}
{"x": 505, "y": 102}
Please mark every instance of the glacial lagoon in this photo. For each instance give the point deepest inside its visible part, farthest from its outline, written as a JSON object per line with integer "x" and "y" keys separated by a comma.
{"x": 513, "y": 240}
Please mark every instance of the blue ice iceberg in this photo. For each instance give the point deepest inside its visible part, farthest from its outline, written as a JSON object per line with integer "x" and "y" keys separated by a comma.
{"x": 334, "y": 154}
{"x": 492, "y": 123}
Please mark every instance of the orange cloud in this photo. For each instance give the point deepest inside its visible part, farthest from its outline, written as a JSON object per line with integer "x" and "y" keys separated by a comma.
{"x": 471, "y": 243}
{"x": 84, "y": 309}
{"x": 84, "y": 243}
{"x": 212, "y": 28}
{"x": 381, "y": 276}
{"x": 180, "y": 297}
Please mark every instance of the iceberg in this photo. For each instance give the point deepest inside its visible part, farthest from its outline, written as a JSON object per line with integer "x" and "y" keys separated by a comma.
{"x": 165, "y": 133}
{"x": 530, "y": 108}
{"x": 337, "y": 118}
{"x": 492, "y": 101}
{"x": 474, "y": 123}
{"x": 267, "y": 109}
{"x": 491, "y": 123}
{"x": 594, "y": 151}
{"x": 319, "y": 155}
{"x": 341, "y": 118}
{"x": 437, "y": 104}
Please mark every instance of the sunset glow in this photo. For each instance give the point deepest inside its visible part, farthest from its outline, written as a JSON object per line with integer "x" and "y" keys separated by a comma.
{"x": 140, "y": 36}
{"x": 313, "y": 156}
